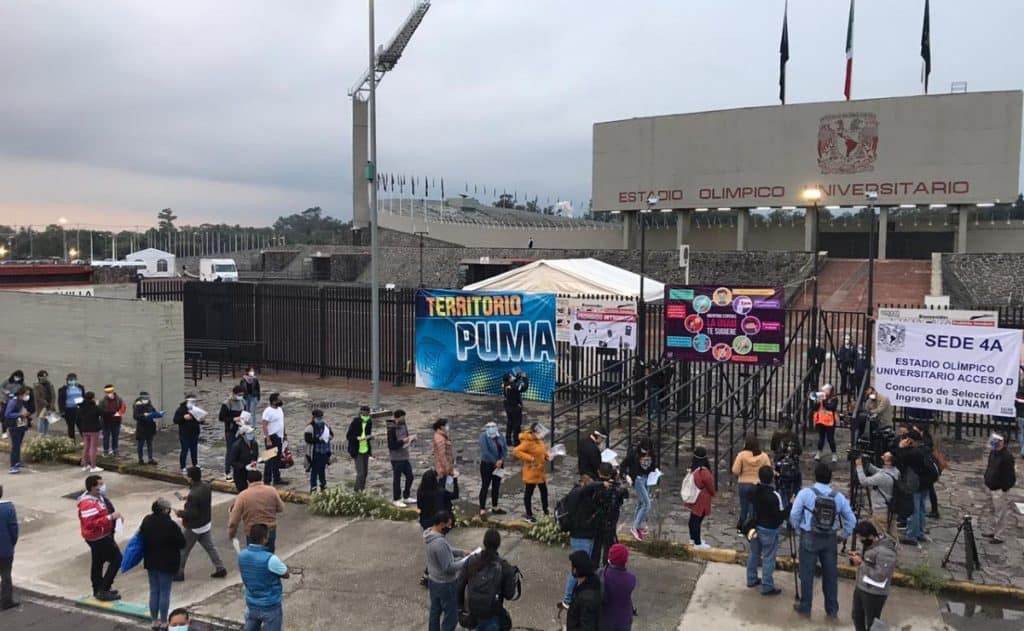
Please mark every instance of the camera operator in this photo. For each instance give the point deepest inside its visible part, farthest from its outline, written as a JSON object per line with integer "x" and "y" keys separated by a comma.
{"x": 786, "y": 450}
{"x": 877, "y": 412}
{"x": 911, "y": 455}
{"x": 513, "y": 387}
{"x": 879, "y": 483}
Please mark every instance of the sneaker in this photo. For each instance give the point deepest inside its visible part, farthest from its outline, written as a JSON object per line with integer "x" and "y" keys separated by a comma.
{"x": 141, "y": 462}
{"x": 220, "y": 573}
{"x": 106, "y": 454}
{"x": 989, "y": 535}
{"x": 95, "y": 469}
{"x": 13, "y": 470}
{"x": 817, "y": 456}
{"x": 229, "y": 477}
{"x": 801, "y": 612}
{"x": 409, "y": 500}
{"x": 531, "y": 519}
{"x": 755, "y": 583}
{"x": 399, "y": 504}
{"x": 775, "y": 591}
{"x": 996, "y": 540}
{"x": 107, "y": 596}
{"x": 152, "y": 462}
{"x": 184, "y": 472}
{"x": 562, "y": 605}
{"x": 701, "y": 546}
{"x": 179, "y": 578}
{"x": 835, "y": 459}
{"x": 20, "y": 465}
{"x": 639, "y": 536}
{"x": 497, "y": 511}
{"x": 85, "y": 468}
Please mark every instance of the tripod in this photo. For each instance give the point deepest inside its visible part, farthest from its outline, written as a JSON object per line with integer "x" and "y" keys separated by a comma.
{"x": 970, "y": 547}
{"x": 792, "y": 556}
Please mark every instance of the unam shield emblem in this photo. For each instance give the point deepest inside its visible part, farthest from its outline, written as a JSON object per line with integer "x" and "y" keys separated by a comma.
{"x": 892, "y": 337}
{"x": 847, "y": 143}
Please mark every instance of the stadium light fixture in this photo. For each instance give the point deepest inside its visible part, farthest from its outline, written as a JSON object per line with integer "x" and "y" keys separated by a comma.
{"x": 832, "y": 207}
{"x": 789, "y": 208}
{"x": 985, "y": 205}
{"x": 763, "y": 208}
{"x": 666, "y": 210}
{"x": 616, "y": 212}
{"x": 811, "y": 194}
{"x": 701, "y": 210}
{"x": 936, "y": 206}
{"x": 725, "y": 208}
{"x": 908, "y": 206}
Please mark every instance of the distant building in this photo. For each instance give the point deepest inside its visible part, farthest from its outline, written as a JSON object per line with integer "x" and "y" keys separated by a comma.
{"x": 159, "y": 264}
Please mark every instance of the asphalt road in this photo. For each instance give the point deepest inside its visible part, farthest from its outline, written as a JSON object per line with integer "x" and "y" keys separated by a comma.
{"x": 42, "y": 616}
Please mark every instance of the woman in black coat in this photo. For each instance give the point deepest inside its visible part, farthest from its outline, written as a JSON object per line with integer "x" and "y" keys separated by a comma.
{"x": 162, "y": 542}
{"x": 244, "y": 452}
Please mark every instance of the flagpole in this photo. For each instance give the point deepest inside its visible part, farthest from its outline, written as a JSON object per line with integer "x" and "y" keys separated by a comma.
{"x": 848, "y": 83}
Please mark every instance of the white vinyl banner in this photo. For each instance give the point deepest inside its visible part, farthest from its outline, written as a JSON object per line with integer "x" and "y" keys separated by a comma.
{"x": 944, "y": 367}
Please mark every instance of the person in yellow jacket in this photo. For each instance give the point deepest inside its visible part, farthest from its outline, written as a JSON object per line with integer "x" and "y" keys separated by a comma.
{"x": 534, "y": 454}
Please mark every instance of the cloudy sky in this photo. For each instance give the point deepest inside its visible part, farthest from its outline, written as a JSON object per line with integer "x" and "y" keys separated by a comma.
{"x": 236, "y": 110}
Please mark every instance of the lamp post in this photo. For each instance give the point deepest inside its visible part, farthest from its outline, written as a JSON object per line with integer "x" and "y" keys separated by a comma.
{"x": 642, "y": 312}
{"x": 872, "y": 199}
{"x": 64, "y": 238}
{"x": 371, "y": 176}
{"x": 813, "y": 195}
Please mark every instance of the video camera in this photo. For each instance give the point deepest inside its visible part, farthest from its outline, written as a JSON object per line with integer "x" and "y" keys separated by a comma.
{"x": 872, "y": 447}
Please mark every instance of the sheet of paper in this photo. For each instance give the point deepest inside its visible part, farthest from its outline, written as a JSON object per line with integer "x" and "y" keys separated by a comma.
{"x": 267, "y": 454}
{"x": 500, "y": 473}
{"x": 119, "y": 527}
{"x": 608, "y": 456}
{"x": 237, "y": 546}
{"x": 1020, "y": 507}
{"x": 197, "y": 413}
{"x": 653, "y": 477}
{"x": 558, "y": 450}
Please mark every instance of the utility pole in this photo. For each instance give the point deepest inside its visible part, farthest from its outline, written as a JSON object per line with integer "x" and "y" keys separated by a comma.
{"x": 371, "y": 176}
{"x": 420, "y": 233}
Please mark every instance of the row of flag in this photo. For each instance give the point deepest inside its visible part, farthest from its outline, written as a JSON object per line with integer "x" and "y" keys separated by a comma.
{"x": 395, "y": 183}
{"x": 926, "y": 52}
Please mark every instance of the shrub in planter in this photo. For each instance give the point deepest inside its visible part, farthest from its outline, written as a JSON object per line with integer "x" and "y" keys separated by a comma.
{"x": 48, "y": 448}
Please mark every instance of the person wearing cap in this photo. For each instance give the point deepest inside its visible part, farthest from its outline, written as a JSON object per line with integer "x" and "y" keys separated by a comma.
{"x": 90, "y": 423}
{"x": 399, "y": 441}
{"x": 534, "y": 454}
{"x": 44, "y": 397}
{"x": 145, "y": 416}
{"x": 318, "y": 450}
{"x": 273, "y": 438}
{"x": 188, "y": 432}
{"x": 112, "y": 409}
{"x": 619, "y": 583}
{"x": 589, "y": 460}
{"x": 359, "y": 435}
{"x": 69, "y": 397}
{"x": 244, "y": 453}
{"x": 824, "y": 420}
{"x": 493, "y": 453}
{"x": 162, "y": 542}
{"x": 196, "y": 517}
{"x": 702, "y": 478}
{"x": 1000, "y": 477}
{"x": 585, "y": 607}
{"x": 230, "y": 410}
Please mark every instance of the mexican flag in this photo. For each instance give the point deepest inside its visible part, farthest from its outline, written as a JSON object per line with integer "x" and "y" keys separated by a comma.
{"x": 847, "y": 85}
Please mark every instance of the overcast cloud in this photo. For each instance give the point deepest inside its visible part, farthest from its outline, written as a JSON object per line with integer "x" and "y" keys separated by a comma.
{"x": 236, "y": 110}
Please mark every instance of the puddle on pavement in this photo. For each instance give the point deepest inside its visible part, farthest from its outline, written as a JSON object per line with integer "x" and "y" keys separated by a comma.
{"x": 985, "y": 608}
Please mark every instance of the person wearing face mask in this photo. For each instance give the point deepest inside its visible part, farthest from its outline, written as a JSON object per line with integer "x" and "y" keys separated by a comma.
{"x": 251, "y": 387}
{"x": 244, "y": 455}
{"x": 878, "y": 412}
{"x": 846, "y": 357}
{"x": 359, "y": 435}
{"x": 96, "y": 518}
{"x": 318, "y": 450}
{"x": 13, "y": 384}
{"x": 875, "y": 567}
{"x": 196, "y": 517}
{"x": 8, "y": 541}
{"x": 443, "y": 565}
{"x": 145, "y": 416}
{"x": 179, "y": 620}
{"x": 589, "y": 459}
{"x": 162, "y": 542}
{"x": 861, "y": 366}
{"x": 43, "y": 397}
{"x": 188, "y": 432}
{"x": 90, "y": 423}
{"x": 584, "y": 613}
{"x": 493, "y": 452}
{"x": 69, "y": 397}
{"x": 534, "y": 454}
{"x": 273, "y": 437}
{"x": 230, "y": 410}
{"x": 17, "y": 418}
{"x": 112, "y": 409}
{"x": 399, "y": 441}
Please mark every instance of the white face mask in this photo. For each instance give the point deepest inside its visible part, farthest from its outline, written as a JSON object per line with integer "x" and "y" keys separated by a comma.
{"x": 178, "y": 627}
{"x": 872, "y": 396}
{"x": 103, "y": 489}
{"x": 26, "y": 397}
{"x": 190, "y": 403}
{"x": 252, "y": 374}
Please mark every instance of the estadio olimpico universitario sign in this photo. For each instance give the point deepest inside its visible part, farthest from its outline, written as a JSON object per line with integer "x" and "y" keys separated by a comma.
{"x": 950, "y": 149}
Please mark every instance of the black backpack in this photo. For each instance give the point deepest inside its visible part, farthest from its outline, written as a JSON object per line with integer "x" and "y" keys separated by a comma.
{"x": 931, "y": 471}
{"x": 487, "y": 589}
{"x": 567, "y": 508}
{"x": 901, "y": 504}
{"x": 823, "y": 516}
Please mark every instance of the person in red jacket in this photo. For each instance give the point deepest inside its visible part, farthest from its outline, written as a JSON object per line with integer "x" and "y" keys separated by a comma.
{"x": 702, "y": 507}
{"x": 112, "y": 410}
{"x": 96, "y": 517}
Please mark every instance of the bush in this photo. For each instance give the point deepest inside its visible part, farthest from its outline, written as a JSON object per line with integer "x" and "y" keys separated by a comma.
{"x": 546, "y": 530}
{"x": 341, "y": 502}
{"x": 924, "y": 577}
{"x": 48, "y": 448}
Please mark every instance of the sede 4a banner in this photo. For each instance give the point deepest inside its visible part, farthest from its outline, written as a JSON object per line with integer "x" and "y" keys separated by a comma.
{"x": 951, "y": 368}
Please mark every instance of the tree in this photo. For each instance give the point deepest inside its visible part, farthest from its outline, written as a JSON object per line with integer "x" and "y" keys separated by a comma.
{"x": 505, "y": 201}
{"x": 166, "y": 218}
{"x": 312, "y": 227}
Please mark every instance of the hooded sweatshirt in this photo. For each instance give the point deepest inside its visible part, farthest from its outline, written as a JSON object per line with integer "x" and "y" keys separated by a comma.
{"x": 442, "y": 566}
{"x": 874, "y": 575}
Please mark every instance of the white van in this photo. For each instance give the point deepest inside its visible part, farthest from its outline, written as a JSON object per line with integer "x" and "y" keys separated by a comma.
{"x": 223, "y": 270}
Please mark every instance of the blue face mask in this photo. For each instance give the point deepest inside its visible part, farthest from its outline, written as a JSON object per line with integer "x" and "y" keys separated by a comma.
{"x": 178, "y": 627}
{"x": 250, "y": 436}
{"x": 492, "y": 432}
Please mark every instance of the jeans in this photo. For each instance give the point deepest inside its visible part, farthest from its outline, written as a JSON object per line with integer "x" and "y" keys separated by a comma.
{"x": 694, "y": 524}
{"x": 587, "y": 545}
{"x": 866, "y": 609}
{"x": 250, "y": 404}
{"x": 229, "y": 442}
{"x": 6, "y": 587}
{"x": 272, "y": 467}
{"x": 205, "y": 540}
{"x": 400, "y": 468}
{"x": 362, "y": 462}
{"x": 489, "y": 481}
{"x": 443, "y": 602}
{"x": 829, "y": 434}
{"x": 746, "y": 494}
{"x": 815, "y": 549}
{"x": 104, "y": 551}
{"x": 643, "y": 501}
{"x": 490, "y": 624}
{"x": 148, "y": 444}
{"x": 528, "y": 497}
{"x": 159, "y": 595}
{"x": 71, "y": 418}
{"x": 271, "y": 542}
{"x": 189, "y": 445}
{"x": 111, "y": 436}
{"x": 43, "y": 422}
{"x": 17, "y": 435}
{"x": 762, "y": 554}
{"x": 264, "y": 618}
{"x": 318, "y": 471}
{"x": 916, "y": 521}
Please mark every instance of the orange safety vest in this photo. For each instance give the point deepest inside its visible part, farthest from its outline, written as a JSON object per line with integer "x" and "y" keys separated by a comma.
{"x": 823, "y": 416}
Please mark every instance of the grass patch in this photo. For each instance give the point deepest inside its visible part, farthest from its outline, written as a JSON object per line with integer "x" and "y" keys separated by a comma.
{"x": 341, "y": 502}
{"x": 546, "y": 530}
{"x": 48, "y": 448}
{"x": 924, "y": 577}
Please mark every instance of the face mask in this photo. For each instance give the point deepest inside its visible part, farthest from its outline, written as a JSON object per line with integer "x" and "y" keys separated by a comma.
{"x": 143, "y": 401}
{"x": 492, "y": 432}
{"x": 239, "y": 397}
{"x": 43, "y": 378}
{"x": 178, "y": 627}
{"x": 250, "y": 436}
{"x": 872, "y": 396}
{"x": 103, "y": 489}
{"x": 26, "y": 397}
{"x": 72, "y": 382}
{"x": 446, "y": 530}
{"x": 190, "y": 403}
{"x": 252, "y": 374}
{"x": 365, "y": 417}
{"x": 110, "y": 395}
{"x": 16, "y": 380}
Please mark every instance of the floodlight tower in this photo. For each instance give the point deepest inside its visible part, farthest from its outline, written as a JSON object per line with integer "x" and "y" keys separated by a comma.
{"x": 364, "y": 124}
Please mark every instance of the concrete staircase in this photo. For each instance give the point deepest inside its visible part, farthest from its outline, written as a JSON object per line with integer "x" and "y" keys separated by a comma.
{"x": 843, "y": 284}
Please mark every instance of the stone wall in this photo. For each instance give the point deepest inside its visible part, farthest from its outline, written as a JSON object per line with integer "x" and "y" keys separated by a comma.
{"x": 112, "y": 276}
{"x": 983, "y": 280}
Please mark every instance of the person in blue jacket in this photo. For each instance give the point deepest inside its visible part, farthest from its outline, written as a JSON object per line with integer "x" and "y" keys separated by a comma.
{"x": 8, "y": 539}
{"x": 493, "y": 453}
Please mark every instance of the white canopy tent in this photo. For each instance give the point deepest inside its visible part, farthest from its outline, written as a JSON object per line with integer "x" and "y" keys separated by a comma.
{"x": 574, "y": 277}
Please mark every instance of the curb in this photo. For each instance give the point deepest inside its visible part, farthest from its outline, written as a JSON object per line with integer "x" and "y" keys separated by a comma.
{"x": 121, "y": 609}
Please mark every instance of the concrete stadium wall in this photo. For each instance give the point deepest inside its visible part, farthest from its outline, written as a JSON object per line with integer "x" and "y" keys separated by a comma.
{"x": 983, "y": 280}
{"x": 133, "y": 344}
{"x": 493, "y": 236}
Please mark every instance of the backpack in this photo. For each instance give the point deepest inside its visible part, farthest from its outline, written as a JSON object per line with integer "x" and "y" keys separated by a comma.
{"x": 901, "y": 503}
{"x": 823, "y": 516}
{"x": 689, "y": 492}
{"x": 930, "y": 473}
{"x": 566, "y": 509}
{"x": 487, "y": 589}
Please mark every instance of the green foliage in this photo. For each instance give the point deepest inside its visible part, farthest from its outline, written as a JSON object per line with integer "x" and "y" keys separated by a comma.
{"x": 924, "y": 577}
{"x": 48, "y": 448}
{"x": 546, "y": 530}
{"x": 313, "y": 227}
{"x": 341, "y": 502}
{"x": 165, "y": 220}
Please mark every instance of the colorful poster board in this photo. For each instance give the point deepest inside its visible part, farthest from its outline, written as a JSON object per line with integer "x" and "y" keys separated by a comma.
{"x": 467, "y": 341}
{"x": 741, "y": 325}
{"x": 597, "y": 323}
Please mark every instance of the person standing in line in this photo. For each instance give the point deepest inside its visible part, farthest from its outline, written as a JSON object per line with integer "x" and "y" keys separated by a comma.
{"x": 861, "y": 366}
{"x": 700, "y": 509}
{"x": 1018, "y": 402}
{"x": 188, "y": 432}
{"x": 1000, "y": 477}
{"x": 585, "y": 607}
{"x": 17, "y": 419}
{"x": 318, "y": 449}
{"x": 444, "y": 457}
{"x": 258, "y": 504}
{"x": 162, "y": 542}
{"x": 817, "y": 514}
{"x": 487, "y": 607}
{"x": 639, "y": 463}
{"x": 112, "y": 409}
{"x": 770, "y": 513}
{"x": 443, "y": 565}
{"x": 69, "y": 397}
{"x": 230, "y": 415}
{"x": 244, "y": 455}
{"x": 14, "y": 383}
{"x": 89, "y": 424}
{"x": 534, "y": 454}
{"x": 493, "y": 452}
{"x": 97, "y": 518}
{"x": 197, "y": 519}
{"x": 875, "y": 568}
{"x": 589, "y": 460}
{"x": 8, "y": 540}
{"x": 846, "y": 359}
{"x": 252, "y": 390}
{"x": 262, "y": 572}
{"x": 880, "y": 484}
{"x": 431, "y": 498}
{"x": 824, "y": 420}
{"x": 608, "y": 503}
{"x": 43, "y": 396}
{"x": 358, "y": 436}
{"x": 746, "y": 468}
{"x": 513, "y": 387}
{"x": 399, "y": 441}
{"x": 619, "y": 583}
{"x": 273, "y": 438}
{"x": 145, "y": 416}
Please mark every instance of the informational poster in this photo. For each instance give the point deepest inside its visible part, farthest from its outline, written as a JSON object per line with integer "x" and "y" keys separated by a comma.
{"x": 743, "y": 325}
{"x": 597, "y": 323}
{"x": 467, "y": 341}
{"x": 947, "y": 367}
{"x": 957, "y": 317}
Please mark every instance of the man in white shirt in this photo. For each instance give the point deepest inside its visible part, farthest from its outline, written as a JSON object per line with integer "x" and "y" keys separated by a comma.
{"x": 273, "y": 436}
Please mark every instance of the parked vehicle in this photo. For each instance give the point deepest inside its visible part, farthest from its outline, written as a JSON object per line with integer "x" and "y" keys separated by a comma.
{"x": 218, "y": 270}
